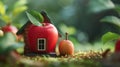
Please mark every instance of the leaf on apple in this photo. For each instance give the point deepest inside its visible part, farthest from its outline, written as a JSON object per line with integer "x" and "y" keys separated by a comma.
{"x": 111, "y": 19}
{"x": 35, "y": 17}
{"x": 109, "y": 37}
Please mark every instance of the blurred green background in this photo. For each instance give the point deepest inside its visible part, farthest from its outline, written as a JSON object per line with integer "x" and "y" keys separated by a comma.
{"x": 80, "y": 18}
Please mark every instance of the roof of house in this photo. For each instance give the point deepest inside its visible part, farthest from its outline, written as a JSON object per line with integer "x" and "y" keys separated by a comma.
{"x": 21, "y": 30}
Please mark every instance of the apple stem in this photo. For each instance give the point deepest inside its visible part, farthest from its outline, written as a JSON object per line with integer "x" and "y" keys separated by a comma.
{"x": 66, "y": 34}
{"x": 43, "y": 24}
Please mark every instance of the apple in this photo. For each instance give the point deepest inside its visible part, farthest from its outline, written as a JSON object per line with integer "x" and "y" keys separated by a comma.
{"x": 66, "y": 47}
{"x": 1, "y": 33}
{"x": 9, "y": 28}
{"x": 117, "y": 46}
{"x": 12, "y": 29}
{"x": 47, "y": 31}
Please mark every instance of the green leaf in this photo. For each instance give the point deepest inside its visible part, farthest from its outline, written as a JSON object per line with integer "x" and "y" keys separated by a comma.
{"x": 109, "y": 37}
{"x": 7, "y": 39}
{"x": 19, "y": 7}
{"x": 95, "y": 6}
{"x": 6, "y": 18}
{"x": 13, "y": 47}
{"x": 117, "y": 8}
{"x": 20, "y": 3}
{"x": 17, "y": 11}
{"x": 8, "y": 43}
{"x": 2, "y": 8}
{"x": 35, "y": 17}
{"x": 111, "y": 19}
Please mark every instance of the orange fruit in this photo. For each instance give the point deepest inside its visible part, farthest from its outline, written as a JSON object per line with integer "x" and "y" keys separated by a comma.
{"x": 66, "y": 47}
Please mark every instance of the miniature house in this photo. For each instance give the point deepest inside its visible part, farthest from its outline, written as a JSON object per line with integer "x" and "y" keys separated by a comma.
{"x": 40, "y": 44}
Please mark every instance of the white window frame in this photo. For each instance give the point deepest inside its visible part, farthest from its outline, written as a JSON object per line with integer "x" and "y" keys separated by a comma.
{"x": 44, "y": 44}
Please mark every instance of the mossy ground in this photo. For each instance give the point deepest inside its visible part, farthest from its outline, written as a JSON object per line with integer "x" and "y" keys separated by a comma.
{"x": 80, "y": 59}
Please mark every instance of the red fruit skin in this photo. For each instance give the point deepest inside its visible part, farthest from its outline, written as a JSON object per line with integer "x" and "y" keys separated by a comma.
{"x": 47, "y": 31}
{"x": 9, "y": 28}
{"x": 117, "y": 46}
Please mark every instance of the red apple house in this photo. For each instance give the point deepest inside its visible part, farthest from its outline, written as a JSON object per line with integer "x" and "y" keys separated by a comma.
{"x": 39, "y": 39}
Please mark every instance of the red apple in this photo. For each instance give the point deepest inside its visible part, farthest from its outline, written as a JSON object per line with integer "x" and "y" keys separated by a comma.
{"x": 66, "y": 47}
{"x": 47, "y": 31}
{"x": 9, "y": 28}
{"x": 117, "y": 46}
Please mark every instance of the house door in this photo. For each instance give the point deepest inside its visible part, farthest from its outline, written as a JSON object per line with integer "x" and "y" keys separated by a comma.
{"x": 41, "y": 44}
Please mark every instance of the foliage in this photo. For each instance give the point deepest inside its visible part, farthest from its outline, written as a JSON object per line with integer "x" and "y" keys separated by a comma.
{"x": 8, "y": 43}
{"x": 87, "y": 16}
{"x": 35, "y": 17}
{"x": 9, "y": 14}
{"x": 109, "y": 36}
{"x": 113, "y": 20}
{"x": 2, "y": 8}
{"x": 101, "y": 4}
